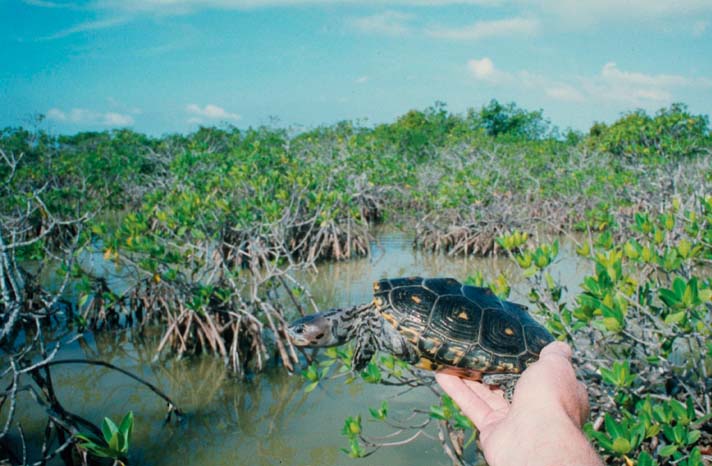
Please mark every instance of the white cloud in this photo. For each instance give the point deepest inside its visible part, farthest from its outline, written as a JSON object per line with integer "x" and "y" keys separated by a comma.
{"x": 117, "y": 119}
{"x": 56, "y": 114}
{"x": 481, "y": 69}
{"x": 211, "y": 112}
{"x": 574, "y": 12}
{"x": 395, "y": 23}
{"x": 593, "y": 11}
{"x": 361, "y": 80}
{"x": 482, "y": 29}
{"x": 484, "y": 70}
{"x": 186, "y": 6}
{"x": 46, "y": 4}
{"x": 89, "y": 117}
{"x": 612, "y": 84}
{"x": 611, "y": 73}
{"x": 391, "y": 23}
{"x": 88, "y": 26}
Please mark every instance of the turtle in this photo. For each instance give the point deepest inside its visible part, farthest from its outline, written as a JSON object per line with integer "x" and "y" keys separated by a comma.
{"x": 436, "y": 324}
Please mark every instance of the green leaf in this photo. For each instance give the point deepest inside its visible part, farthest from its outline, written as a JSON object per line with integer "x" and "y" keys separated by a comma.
{"x": 690, "y": 405}
{"x": 310, "y": 387}
{"x": 615, "y": 429}
{"x": 371, "y": 374}
{"x": 438, "y": 412}
{"x": 679, "y": 285}
{"x": 667, "y": 450}
{"x": 584, "y": 250}
{"x": 604, "y": 441}
{"x": 612, "y": 324}
{"x": 675, "y": 318}
{"x": 355, "y": 449}
{"x": 463, "y": 422}
{"x": 126, "y": 426}
{"x": 621, "y": 445}
{"x": 352, "y": 427}
{"x": 381, "y": 413}
{"x": 608, "y": 376}
{"x": 311, "y": 373}
{"x": 679, "y": 410}
{"x": 108, "y": 429}
{"x": 693, "y": 436}
{"x": 646, "y": 460}
{"x": 695, "y": 458}
{"x": 114, "y": 442}
{"x": 669, "y": 297}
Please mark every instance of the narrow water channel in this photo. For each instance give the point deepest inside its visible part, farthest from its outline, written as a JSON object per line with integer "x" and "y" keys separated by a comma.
{"x": 268, "y": 420}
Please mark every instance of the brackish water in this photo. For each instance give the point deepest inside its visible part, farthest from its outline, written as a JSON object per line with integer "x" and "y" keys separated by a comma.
{"x": 267, "y": 420}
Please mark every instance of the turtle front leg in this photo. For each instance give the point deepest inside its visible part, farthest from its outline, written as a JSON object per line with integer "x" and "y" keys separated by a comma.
{"x": 391, "y": 341}
{"x": 377, "y": 334}
{"x": 364, "y": 350}
{"x": 366, "y": 335}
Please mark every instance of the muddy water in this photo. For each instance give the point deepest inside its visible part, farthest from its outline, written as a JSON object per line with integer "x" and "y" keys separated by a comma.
{"x": 268, "y": 420}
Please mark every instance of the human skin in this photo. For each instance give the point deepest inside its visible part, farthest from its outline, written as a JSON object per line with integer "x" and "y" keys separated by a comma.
{"x": 542, "y": 426}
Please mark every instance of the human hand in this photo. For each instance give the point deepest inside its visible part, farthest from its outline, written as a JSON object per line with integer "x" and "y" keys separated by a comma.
{"x": 542, "y": 426}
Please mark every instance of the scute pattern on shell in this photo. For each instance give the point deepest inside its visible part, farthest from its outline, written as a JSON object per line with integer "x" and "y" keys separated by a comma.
{"x": 461, "y": 326}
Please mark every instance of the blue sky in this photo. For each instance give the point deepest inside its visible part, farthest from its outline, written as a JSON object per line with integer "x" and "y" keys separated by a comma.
{"x": 162, "y": 66}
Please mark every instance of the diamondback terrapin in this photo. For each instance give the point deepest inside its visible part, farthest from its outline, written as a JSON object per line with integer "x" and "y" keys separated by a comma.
{"x": 436, "y": 324}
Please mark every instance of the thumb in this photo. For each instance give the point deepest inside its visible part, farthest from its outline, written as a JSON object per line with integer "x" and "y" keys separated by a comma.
{"x": 556, "y": 349}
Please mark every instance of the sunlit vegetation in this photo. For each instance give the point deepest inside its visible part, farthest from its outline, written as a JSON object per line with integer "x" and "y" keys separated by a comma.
{"x": 205, "y": 230}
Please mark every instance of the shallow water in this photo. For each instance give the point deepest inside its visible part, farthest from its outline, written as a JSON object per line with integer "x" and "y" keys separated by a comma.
{"x": 268, "y": 420}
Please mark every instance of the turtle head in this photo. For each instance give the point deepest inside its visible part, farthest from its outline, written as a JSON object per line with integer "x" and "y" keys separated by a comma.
{"x": 316, "y": 331}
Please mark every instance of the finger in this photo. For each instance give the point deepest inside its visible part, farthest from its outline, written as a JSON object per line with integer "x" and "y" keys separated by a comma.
{"x": 469, "y": 402}
{"x": 494, "y": 398}
{"x": 556, "y": 348}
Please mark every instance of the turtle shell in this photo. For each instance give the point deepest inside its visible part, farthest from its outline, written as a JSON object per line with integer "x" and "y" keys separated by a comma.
{"x": 463, "y": 329}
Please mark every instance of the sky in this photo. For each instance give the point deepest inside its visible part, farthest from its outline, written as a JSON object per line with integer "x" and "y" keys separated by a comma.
{"x": 165, "y": 66}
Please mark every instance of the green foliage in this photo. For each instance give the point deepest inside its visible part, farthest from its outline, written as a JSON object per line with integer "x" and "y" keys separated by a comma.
{"x": 447, "y": 410}
{"x": 673, "y": 132}
{"x": 647, "y": 304}
{"x": 313, "y": 375}
{"x": 115, "y": 440}
{"x": 371, "y": 374}
{"x": 539, "y": 258}
{"x": 416, "y": 134}
{"x": 673, "y": 424}
{"x": 619, "y": 375}
{"x": 352, "y": 430}
{"x": 450, "y": 414}
{"x": 511, "y": 122}
{"x": 381, "y": 413}
{"x": 513, "y": 241}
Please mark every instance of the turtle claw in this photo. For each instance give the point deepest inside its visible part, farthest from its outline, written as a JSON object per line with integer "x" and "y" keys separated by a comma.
{"x": 505, "y": 382}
